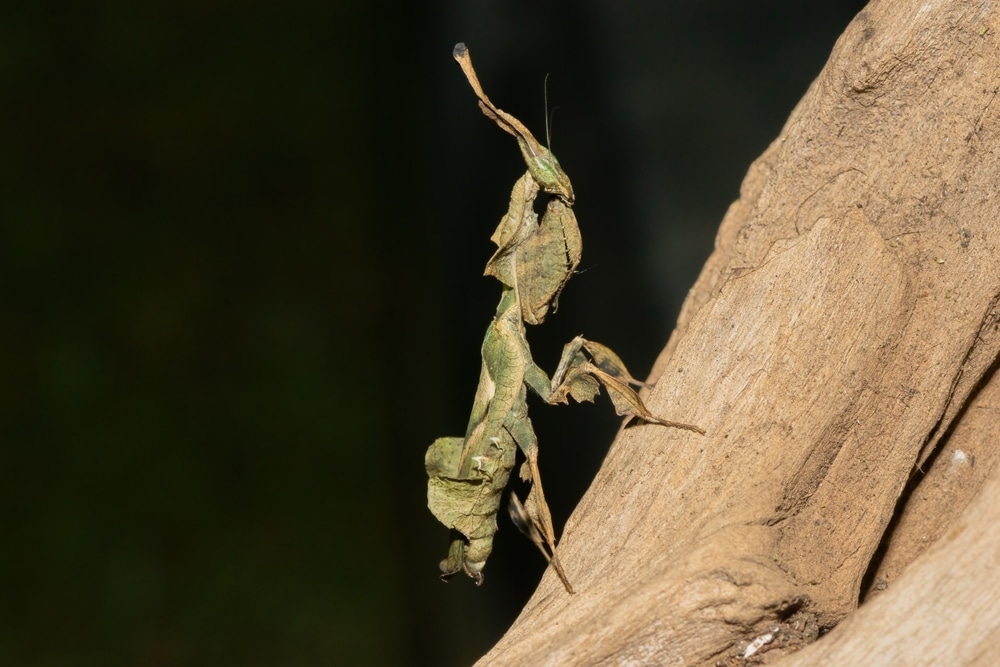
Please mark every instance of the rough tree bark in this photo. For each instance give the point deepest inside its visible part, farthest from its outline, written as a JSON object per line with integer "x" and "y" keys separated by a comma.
{"x": 839, "y": 348}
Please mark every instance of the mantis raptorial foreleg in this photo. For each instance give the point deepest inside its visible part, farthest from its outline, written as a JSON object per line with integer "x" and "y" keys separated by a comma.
{"x": 584, "y": 364}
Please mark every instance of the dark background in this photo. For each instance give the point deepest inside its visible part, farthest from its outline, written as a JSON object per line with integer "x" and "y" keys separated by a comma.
{"x": 241, "y": 249}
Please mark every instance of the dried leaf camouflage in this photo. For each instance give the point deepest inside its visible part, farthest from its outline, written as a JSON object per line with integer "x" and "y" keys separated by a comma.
{"x": 467, "y": 475}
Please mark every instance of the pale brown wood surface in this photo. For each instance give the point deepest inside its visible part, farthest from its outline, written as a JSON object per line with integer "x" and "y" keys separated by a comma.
{"x": 838, "y": 348}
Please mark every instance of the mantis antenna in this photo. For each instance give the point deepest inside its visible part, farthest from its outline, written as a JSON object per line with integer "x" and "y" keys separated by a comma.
{"x": 548, "y": 117}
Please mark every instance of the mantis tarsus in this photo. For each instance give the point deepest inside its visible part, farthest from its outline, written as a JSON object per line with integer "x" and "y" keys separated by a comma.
{"x": 533, "y": 262}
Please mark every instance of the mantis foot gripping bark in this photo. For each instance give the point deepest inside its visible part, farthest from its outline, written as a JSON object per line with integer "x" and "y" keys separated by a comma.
{"x": 533, "y": 262}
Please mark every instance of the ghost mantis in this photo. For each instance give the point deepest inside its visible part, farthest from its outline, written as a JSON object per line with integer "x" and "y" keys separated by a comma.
{"x": 533, "y": 261}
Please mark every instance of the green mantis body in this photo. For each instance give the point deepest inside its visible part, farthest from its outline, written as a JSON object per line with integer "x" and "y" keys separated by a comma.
{"x": 467, "y": 475}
